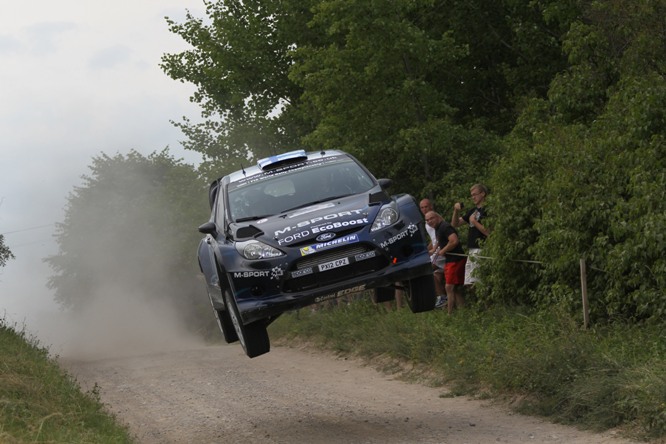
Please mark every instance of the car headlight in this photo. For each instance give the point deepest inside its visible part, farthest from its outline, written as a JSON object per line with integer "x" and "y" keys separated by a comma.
{"x": 387, "y": 216}
{"x": 254, "y": 249}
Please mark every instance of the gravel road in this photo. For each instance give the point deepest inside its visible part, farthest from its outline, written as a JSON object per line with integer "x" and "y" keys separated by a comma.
{"x": 215, "y": 394}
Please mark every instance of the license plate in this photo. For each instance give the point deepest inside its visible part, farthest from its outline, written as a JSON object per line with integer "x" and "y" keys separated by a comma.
{"x": 334, "y": 264}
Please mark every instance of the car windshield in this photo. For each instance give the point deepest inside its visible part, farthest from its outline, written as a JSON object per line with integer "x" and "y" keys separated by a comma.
{"x": 297, "y": 188}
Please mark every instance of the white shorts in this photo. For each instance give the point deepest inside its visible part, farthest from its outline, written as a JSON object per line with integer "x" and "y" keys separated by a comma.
{"x": 439, "y": 262}
{"x": 471, "y": 265}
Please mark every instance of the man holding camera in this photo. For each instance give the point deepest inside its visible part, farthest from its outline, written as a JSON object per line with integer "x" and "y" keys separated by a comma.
{"x": 477, "y": 231}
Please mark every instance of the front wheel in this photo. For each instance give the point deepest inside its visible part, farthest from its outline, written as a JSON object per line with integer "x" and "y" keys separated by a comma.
{"x": 253, "y": 337}
{"x": 421, "y": 295}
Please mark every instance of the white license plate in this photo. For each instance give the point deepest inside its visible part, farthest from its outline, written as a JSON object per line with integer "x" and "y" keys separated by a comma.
{"x": 334, "y": 264}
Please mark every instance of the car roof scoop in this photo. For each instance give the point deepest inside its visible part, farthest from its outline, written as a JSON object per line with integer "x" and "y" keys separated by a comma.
{"x": 245, "y": 231}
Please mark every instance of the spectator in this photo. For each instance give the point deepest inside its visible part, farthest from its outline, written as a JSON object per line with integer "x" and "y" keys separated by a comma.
{"x": 426, "y": 205}
{"x": 449, "y": 260}
{"x": 477, "y": 231}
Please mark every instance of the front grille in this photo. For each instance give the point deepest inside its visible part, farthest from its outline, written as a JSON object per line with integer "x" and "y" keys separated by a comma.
{"x": 315, "y": 278}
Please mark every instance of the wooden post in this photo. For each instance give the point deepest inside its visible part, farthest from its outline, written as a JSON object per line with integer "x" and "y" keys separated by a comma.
{"x": 583, "y": 288}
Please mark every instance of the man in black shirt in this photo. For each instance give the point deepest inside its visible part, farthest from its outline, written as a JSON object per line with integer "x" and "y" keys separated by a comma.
{"x": 449, "y": 259}
{"x": 477, "y": 230}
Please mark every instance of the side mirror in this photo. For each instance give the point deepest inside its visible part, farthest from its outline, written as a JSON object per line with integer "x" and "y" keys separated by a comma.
{"x": 208, "y": 228}
{"x": 384, "y": 183}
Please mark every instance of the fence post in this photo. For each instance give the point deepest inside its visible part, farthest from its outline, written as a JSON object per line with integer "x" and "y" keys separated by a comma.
{"x": 583, "y": 288}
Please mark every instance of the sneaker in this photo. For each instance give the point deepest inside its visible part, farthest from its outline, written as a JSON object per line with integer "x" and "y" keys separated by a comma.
{"x": 440, "y": 302}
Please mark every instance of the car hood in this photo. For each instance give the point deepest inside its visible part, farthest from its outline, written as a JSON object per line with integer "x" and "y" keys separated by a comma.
{"x": 321, "y": 222}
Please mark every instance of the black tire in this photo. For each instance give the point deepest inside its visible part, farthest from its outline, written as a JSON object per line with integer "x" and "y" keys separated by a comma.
{"x": 421, "y": 294}
{"x": 224, "y": 322}
{"x": 383, "y": 294}
{"x": 226, "y": 326}
{"x": 253, "y": 337}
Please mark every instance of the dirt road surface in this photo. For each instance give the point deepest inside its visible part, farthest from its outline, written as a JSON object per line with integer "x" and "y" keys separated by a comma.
{"x": 215, "y": 394}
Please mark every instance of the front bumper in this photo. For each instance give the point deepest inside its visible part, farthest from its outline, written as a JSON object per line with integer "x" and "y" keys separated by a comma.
{"x": 265, "y": 289}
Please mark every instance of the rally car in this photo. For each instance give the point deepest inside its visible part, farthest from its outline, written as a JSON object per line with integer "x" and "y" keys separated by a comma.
{"x": 301, "y": 228}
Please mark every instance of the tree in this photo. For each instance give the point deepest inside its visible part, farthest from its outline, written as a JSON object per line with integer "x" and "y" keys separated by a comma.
{"x": 584, "y": 174}
{"x": 131, "y": 227}
{"x": 401, "y": 84}
{"x": 239, "y": 62}
{"x": 5, "y": 252}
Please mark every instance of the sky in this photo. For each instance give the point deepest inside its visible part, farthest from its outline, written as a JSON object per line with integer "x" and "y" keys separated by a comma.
{"x": 77, "y": 79}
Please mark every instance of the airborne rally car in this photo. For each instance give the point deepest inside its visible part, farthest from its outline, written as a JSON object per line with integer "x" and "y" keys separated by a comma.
{"x": 301, "y": 228}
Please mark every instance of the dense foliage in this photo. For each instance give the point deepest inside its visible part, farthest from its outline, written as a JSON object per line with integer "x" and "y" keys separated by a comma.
{"x": 591, "y": 161}
{"x": 559, "y": 105}
{"x": 131, "y": 229}
{"x": 417, "y": 89}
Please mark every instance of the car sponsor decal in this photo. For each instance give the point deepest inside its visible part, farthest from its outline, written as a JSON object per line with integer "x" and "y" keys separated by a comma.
{"x": 334, "y": 264}
{"x": 325, "y": 237}
{"x": 330, "y": 244}
{"x": 322, "y": 220}
{"x": 409, "y": 231}
{"x": 364, "y": 256}
{"x": 293, "y": 237}
{"x": 300, "y": 273}
{"x": 276, "y": 272}
{"x": 343, "y": 224}
{"x": 251, "y": 274}
{"x": 340, "y": 293}
{"x": 301, "y": 235}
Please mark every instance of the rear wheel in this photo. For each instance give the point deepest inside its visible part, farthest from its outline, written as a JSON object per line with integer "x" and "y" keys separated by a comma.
{"x": 421, "y": 295}
{"x": 226, "y": 326}
{"x": 253, "y": 337}
{"x": 224, "y": 322}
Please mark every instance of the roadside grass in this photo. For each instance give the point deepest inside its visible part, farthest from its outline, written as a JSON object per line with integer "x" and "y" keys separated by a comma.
{"x": 39, "y": 402}
{"x": 540, "y": 363}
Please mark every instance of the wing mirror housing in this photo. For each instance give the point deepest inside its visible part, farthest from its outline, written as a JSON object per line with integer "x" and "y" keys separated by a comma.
{"x": 208, "y": 228}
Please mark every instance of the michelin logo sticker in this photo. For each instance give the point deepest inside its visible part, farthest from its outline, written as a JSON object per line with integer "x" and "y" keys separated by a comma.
{"x": 330, "y": 244}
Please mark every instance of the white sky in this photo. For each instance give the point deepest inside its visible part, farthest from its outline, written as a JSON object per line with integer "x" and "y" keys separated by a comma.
{"x": 77, "y": 78}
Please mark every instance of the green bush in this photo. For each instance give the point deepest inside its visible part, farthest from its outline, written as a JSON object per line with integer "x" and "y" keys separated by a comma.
{"x": 566, "y": 192}
{"x": 610, "y": 376}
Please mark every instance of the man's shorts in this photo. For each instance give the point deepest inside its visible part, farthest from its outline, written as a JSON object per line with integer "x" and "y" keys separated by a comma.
{"x": 454, "y": 272}
{"x": 471, "y": 265}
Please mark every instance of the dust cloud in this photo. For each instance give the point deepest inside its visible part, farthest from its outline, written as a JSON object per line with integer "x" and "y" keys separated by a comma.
{"x": 119, "y": 323}
{"x": 130, "y": 284}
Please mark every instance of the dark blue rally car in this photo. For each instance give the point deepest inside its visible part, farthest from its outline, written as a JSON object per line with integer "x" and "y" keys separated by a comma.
{"x": 301, "y": 228}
